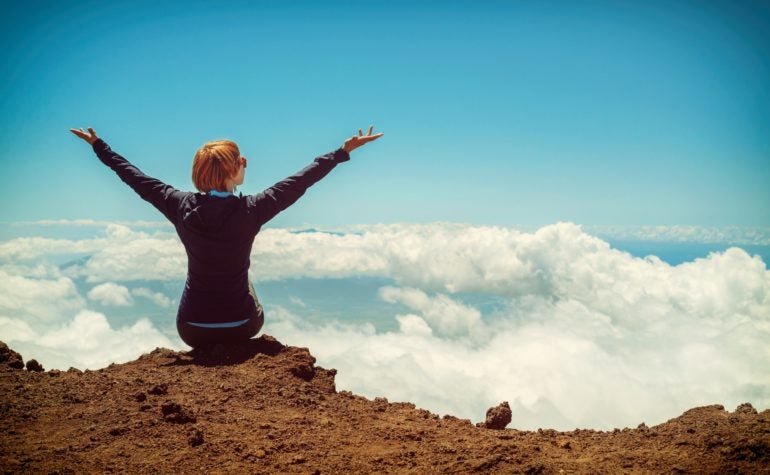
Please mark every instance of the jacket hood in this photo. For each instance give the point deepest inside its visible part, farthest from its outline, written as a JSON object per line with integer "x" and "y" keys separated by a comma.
{"x": 210, "y": 213}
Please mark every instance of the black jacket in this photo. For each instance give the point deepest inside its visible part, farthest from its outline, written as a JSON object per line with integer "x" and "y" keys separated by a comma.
{"x": 217, "y": 233}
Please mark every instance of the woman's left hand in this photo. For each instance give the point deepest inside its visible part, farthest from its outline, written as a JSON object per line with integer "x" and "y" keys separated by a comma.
{"x": 90, "y": 138}
{"x": 357, "y": 140}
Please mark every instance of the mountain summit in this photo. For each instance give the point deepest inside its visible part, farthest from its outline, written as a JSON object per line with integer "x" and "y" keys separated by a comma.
{"x": 263, "y": 407}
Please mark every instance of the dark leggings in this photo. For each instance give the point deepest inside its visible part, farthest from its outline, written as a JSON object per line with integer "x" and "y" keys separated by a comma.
{"x": 197, "y": 337}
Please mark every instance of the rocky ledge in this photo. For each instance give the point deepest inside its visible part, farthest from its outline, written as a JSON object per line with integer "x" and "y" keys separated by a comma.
{"x": 263, "y": 407}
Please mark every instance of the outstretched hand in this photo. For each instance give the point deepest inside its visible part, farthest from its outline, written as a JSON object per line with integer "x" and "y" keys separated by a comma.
{"x": 90, "y": 138}
{"x": 357, "y": 140}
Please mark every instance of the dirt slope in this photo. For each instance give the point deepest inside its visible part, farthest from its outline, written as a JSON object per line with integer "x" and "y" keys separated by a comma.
{"x": 266, "y": 408}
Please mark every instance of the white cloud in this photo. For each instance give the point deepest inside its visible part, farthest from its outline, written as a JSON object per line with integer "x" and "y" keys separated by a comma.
{"x": 15, "y": 329}
{"x": 752, "y": 235}
{"x": 446, "y": 316}
{"x": 27, "y": 248}
{"x": 282, "y": 254}
{"x": 411, "y": 324}
{"x": 110, "y": 293}
{"x": 127, "y": 255}
{"x": 88, "y": 341}
{"x": 120, "y": 255}
{"x": 46, "y": 319}
{"x": 38, "y": 301}
{"x": 590, "y": 336}
{"x": 91, "y": 223}
{"x": 156, "y": 297}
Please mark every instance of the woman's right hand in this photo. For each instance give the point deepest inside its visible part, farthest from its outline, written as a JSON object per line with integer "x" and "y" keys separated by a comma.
{"x": 357, "y": 140}
{"x": 90, "y": 138}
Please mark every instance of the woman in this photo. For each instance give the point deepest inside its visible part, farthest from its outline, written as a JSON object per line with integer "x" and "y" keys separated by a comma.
{"x": 217, "y": 229}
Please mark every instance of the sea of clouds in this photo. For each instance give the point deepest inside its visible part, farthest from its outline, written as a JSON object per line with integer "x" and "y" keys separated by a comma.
{"x": 588, "y": 336}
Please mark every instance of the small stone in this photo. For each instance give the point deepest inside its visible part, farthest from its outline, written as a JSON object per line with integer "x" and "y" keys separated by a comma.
{"x": 170, "y": 407}
{"x": 140, "y": 396}
{"x": 173, "y": 412}
{"x": 10, "y": 357}
{"x": 303, "y": 367}
{"x": 745, "y": 408}
{"x": 498, "y": 417}
{"x": 196, "y": 437}
{"x": 33, "y": 365}
{"x": 159, "y": 389}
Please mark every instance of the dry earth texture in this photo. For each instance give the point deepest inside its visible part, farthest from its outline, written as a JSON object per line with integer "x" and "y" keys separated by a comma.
{"x": 263, "y": 407}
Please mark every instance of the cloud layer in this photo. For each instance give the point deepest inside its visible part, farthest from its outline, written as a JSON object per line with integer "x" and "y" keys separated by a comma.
{"x": 111, "y": 294}
{"x": 589, "y": 336}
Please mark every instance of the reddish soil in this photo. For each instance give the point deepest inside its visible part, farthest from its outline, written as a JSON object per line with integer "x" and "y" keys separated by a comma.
{"x": 266, "y": 408}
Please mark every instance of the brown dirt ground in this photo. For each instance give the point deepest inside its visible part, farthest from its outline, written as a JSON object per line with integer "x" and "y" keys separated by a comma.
{"x": 263, "y": 407}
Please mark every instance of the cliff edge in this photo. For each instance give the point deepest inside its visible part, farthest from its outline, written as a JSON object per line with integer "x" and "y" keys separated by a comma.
{"x": 263, "y": 407}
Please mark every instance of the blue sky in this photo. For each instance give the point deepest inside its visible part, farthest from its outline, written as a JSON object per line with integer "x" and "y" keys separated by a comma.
{"x": 493, "y": 112}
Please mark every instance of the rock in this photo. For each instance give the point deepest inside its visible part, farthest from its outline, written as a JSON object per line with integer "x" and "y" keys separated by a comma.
{"x": 118, "y": 430}
{"x": 196, "y": 437}
{"x": 174, "y": 412}
{"x": 304, "y": 365}
{"x": 380, "y": 404}
{"x": 10, "y": 357}
{"x": 33, "y": 365}
{"x": 170, "y": 407}
{"x": 254, "y": 416}
{"x": 159, "y": 389}
{"x": 268, "y": 345}
{"x": 498, "y": 417}
{"x": 745, "y": 408}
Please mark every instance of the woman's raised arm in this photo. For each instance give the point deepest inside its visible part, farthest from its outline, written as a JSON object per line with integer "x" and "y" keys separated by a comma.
{"x": 164, "y": 197}
{"x": 270, "y": 202}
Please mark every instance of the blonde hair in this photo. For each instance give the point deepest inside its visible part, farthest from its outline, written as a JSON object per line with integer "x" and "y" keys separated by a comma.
{"x": 214, "y": 163}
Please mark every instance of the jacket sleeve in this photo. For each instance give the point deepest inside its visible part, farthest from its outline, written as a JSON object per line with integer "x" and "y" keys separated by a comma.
{"x": 164, "y": 197}
{"x": 267, "y": 204}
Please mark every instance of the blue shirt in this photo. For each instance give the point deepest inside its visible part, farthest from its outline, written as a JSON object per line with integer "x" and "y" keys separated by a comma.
{"x": 220, "y": 194}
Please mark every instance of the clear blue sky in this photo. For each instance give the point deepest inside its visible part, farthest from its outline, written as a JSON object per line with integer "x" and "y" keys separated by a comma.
{"x": 493, "y": 112}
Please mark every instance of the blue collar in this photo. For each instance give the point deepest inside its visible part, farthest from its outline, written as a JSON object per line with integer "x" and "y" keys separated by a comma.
{"x": 220, "y": 194}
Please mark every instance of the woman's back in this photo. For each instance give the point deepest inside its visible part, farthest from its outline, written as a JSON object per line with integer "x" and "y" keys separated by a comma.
{"x": 218, "y": 228}
{"x": 217, "y": 234}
